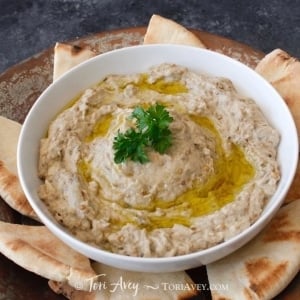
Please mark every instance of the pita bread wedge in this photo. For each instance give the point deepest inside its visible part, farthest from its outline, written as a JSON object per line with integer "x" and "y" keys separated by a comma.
{"x": 116, "y": 284}
{"x": 37, "y": 250}
{"x": 283, "y": 72}
{"x": 265, "y": 266}
{"x": 10, "y": 188}
{"x": 163, "y": 30}
{"x": 68, "y": 56}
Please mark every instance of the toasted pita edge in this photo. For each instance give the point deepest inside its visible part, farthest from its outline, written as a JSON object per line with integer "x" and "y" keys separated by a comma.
{"x": 37, "y": 250}
{"x": 262, "y": 269}
{"x": 283, "y": 72}
{"x": 10, "y": 188}
{"x": 12, "y": 193}
{"x": 64, "y": 289}
{"x": 67, "y": 56}
{"x": 163, "y": 30}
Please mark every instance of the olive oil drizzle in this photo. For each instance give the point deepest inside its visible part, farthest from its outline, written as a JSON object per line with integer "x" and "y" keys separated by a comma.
{"x": 160, "y": 85}
{"x": 100, "y": 128}
{"x": 232, "y": 172}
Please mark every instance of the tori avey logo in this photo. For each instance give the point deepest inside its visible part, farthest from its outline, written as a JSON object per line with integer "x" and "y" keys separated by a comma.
{"x": 102, "y": 283}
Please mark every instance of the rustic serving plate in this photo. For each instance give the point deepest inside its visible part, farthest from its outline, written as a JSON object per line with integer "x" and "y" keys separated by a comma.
{"x": 21, "y": 85}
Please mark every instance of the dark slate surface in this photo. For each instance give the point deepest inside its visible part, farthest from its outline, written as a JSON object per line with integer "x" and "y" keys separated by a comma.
{"x": 28, "y": 26}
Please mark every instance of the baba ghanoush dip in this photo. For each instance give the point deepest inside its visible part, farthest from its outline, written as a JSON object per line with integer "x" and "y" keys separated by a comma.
{"x": 209, "y": 183}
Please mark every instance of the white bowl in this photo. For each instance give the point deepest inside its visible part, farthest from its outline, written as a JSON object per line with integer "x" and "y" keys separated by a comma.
{"x": 139, "y": 59}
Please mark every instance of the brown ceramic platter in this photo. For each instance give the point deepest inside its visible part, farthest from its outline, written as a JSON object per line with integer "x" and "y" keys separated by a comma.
{"x": 21, "y": 85}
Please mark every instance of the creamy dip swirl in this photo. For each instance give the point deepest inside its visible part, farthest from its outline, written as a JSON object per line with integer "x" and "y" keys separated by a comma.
{"x": 211, "y": 184}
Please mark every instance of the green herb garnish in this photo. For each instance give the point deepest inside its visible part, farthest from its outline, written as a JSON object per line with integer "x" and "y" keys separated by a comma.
{"x": 152, "y": 130}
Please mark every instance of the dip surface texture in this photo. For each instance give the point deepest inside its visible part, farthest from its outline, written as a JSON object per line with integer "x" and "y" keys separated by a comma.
{"x": 211, "y": 184}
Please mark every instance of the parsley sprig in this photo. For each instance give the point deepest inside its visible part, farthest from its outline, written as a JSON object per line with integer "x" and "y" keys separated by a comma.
{"x": 152, "y": 130}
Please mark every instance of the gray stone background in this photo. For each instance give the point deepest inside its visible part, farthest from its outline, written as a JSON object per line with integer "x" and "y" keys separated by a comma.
{"x": 29, "y": 26}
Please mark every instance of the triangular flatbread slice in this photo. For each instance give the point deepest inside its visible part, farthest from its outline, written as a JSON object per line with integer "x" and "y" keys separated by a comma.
{"x": 37, "y": 250}
{"x": 266, "y": 265}
{"x": 163, "y": 30}
{"x": 68, "y": 56}
{"x": 10, "y": 188}
{"x": 283, "y": 72}
{"x": 118, "y": 284}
